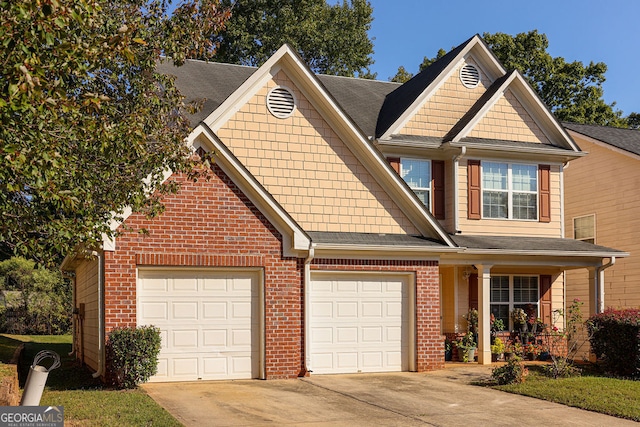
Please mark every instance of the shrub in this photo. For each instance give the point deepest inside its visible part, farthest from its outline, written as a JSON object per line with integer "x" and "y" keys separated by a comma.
{"x": 133, "y": 355}
{"x": 514, "y": 372}
{"x": 615, "y": 340}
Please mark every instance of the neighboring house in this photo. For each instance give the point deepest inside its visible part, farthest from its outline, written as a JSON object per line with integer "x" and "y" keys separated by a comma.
{"x": 307, "y": 252}
{"x": 602, "y": 200}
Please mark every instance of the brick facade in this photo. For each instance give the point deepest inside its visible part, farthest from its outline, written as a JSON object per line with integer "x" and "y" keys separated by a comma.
{"x": 210, "y": 223}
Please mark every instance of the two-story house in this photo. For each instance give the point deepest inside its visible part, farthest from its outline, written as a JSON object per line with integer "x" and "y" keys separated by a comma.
{"x": 602, "y": 199}
{"x": 346, "y": 224}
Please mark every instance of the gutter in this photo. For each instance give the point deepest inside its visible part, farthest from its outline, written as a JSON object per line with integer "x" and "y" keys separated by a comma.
{"x": 600, "y": 284}
{"x": 101, "y": 334}
{"x": 456, "y": 159}
{"x": 307, "y": 314}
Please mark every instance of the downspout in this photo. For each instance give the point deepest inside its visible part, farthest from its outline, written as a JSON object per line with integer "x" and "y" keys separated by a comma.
{"x": 307, "y": 315}
{"x": 562, "y": 169}
{"x": 456, "y": 218}
{"x": 101, "y": 334}
{"x": 600, "y": 283}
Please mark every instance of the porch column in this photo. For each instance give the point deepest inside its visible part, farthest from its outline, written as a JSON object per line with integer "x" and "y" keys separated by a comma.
{"x": 484, "y": 314}
{"x": 594, "y": 290}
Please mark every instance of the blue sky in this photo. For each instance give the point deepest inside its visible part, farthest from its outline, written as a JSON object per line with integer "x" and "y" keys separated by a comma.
{"x": 406, "y": 31}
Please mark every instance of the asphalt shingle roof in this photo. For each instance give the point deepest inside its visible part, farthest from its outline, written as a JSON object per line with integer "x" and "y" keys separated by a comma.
{"x": 625, "y": 139}
{"x": 373, "y": 239}
{"x": 521, "y": 243}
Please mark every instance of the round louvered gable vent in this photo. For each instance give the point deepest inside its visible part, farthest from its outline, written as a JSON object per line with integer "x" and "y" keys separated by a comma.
{"x": 281, "y": 102}
{"x": 470, "y": 76}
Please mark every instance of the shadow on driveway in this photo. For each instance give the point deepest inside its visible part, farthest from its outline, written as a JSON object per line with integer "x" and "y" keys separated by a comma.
{"x": 441, "y": 398}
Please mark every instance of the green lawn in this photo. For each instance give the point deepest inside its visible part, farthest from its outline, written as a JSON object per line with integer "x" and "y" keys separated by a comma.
{"x": 86, "y": 402}
{"x": 612, "y": 396}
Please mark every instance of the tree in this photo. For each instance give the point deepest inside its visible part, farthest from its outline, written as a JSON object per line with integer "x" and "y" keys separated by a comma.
{"x": 88, "y": 126}
{"x": 403, "y": 75}
{"x": 33, "y": 300}
{"x": 331, "y": 39}
{"x": 634, "y": 120}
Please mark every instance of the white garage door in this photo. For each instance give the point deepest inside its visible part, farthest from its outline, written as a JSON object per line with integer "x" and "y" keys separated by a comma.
{"x": 209, "y": 322}
{"x": 359, "y": 323}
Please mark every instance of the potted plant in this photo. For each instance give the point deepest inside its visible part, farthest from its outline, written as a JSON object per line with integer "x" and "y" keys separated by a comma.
{"x": 509, "y": 351}
{"x": 519, "y": 317}
{"x": 448, "y": 349}
{"x": 466, "y": 346}
{"x": 497, "y": 348}
{"x": 497, "y": 325}
{"x": 532, "y": 351}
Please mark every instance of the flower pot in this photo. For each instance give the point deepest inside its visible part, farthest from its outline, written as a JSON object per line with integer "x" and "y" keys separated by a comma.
{"x": 469, "y": 355}
{"x": 448, "y": 355}
{"x": 495, "y": 357}
{"x": 531, "y": 356}
{"x": 508, "y": 356}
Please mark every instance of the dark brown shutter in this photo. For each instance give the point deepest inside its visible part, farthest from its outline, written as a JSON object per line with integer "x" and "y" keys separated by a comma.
{"x": 544, "y": 172}
{"x": 437, "y": 169}
{"x": 395, "y": 163}
{"x": 545, "y": 300}
{"x": 473, "y": 189}
{"x": 473, "y": 291}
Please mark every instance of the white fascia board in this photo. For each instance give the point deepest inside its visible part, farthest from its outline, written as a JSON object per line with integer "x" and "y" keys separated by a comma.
{"x": 424, "y": 97}
{"x": 484, "y": 110}
{"x": 485, "y": 59}
{"x": 536, "y": 108}
{"x": 358, "y": 143}
{"x": 569, "y": 254}
{"x": 295, "y": 240}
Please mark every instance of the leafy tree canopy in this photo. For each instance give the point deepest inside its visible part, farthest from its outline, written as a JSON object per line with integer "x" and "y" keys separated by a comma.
{"x": 34, "y": 300}
{"x": 331, "y": 39}
{"x": 87, "y": 125}
{"x": 572, "y": 90}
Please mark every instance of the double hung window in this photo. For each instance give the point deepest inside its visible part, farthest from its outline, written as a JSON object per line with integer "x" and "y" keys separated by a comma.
{"x": 509, "y": 191}
{"x": 510, "y": 292}
{"x": 417, "y": 174}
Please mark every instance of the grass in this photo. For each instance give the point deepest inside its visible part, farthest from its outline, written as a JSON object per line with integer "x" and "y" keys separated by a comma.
{"x": 86, "y": 402}
{"x": 591, "y": 391}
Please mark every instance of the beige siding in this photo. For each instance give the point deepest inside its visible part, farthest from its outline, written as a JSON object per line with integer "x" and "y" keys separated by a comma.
{"x": 447, "y": 105}
{"x": 303, "y": 163}
{"x": 508, "y": 120}
{"x": 511, "y": 227}
{"x": 606, "y": 183}
{"x": 87, "y": 294}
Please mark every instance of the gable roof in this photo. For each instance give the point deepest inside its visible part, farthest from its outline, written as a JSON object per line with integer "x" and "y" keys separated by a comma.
{"x": 624, "y": 139}
{"x": 214, "y": 82}
{"x": 348, "y": 132}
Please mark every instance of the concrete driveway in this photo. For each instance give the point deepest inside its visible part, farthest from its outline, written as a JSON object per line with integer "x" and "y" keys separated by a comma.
{"x": 442, "y": 398}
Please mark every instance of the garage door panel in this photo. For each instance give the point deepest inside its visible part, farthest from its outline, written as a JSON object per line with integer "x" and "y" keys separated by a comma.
{"x": 362, "y": 331}
{"x": 209, "y": 323}
{"x": 184, "y": 310}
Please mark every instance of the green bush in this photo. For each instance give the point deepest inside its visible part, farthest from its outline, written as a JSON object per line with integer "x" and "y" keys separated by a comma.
{"x": 615, "y": 340}
{"x": 133, "y": 355}
{"x": 514, "y": 372}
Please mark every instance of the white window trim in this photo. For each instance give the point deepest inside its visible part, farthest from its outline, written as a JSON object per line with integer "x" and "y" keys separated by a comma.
{"x": 594, "y": 227}
{"x": 511, "y": 303}
{"x": 429, "y": 189}
{"x": 510, "y": 191}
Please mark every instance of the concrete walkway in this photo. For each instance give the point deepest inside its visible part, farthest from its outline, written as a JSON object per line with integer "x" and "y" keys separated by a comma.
{"x": 442, "y": 398}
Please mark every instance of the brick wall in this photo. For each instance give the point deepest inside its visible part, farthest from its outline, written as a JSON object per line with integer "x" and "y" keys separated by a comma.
{"x": 429, "y": 341}
{"x": 210, "y": 223}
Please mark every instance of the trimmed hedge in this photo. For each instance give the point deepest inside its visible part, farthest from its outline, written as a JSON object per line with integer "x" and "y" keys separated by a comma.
{"x": 615, "y": 340}
{"x": 133, "y": 355}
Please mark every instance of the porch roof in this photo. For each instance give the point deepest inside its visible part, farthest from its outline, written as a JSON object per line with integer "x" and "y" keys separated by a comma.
{"x": 375, "y": 239}
{"x": 522, "y": 245}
